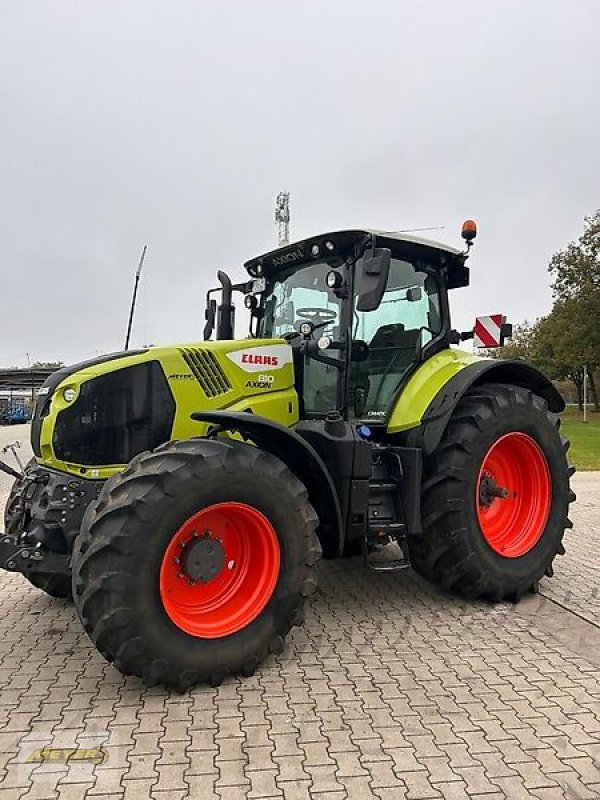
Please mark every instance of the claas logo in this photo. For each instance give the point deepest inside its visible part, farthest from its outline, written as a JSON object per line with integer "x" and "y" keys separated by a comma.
{"x": 62, "y": 755}
{"x": 255, "y": 358}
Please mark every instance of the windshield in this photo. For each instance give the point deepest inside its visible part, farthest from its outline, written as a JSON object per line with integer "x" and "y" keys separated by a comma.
{"x": 298, "y": 295}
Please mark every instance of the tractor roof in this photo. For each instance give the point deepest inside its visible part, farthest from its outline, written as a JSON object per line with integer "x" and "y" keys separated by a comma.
{"x": 337, "y": 242}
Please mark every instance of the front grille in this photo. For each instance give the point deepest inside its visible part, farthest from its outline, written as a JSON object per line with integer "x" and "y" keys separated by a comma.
{"x": 116, "y": 416}
{"x": 207, "y": 370}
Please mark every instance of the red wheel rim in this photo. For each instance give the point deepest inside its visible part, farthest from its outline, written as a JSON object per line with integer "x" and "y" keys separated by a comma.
{"x": 237, "y": 550}
{"x": 512, "y": 525}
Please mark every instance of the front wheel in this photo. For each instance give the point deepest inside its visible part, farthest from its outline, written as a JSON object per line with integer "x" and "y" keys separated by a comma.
{"x": 195, "y": 562}
{"x": 495, "y": 496}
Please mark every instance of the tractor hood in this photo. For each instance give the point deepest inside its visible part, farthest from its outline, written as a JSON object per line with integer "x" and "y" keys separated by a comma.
{"x": 92, "y": 418}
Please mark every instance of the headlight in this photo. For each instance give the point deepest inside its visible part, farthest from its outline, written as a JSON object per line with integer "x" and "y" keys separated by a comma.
{"x": 69, "y": 395}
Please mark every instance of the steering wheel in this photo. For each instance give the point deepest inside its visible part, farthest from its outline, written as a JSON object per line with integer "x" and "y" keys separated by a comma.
{"x": 321, "y": 315}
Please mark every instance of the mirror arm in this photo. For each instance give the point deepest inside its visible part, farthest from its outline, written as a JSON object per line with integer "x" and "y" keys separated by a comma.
{"x": 245, "y": 287}
{"x": 332, "y": 362}
{"x": 309, "y": 348}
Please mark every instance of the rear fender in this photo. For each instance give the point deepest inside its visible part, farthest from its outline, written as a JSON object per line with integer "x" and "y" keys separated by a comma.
{"x": 518, "y": 373}
{"x": 300, "y": 457}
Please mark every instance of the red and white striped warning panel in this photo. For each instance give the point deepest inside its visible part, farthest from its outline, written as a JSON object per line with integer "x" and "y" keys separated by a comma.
{"x": 488, "y": 331}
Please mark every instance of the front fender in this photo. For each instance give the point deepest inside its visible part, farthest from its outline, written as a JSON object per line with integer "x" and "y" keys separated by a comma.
{"x": 303, "y": 460}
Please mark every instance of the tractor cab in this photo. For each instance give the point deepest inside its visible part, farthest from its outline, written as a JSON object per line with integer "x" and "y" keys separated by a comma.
{"x": 361, "y": 310}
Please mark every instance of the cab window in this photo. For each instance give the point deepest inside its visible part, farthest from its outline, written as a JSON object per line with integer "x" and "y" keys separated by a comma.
{"x": 407, "y": 319}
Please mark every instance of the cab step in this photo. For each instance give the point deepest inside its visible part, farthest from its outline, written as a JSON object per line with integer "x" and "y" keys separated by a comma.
{"x": 376, "y": 561}
{"x": 384, "y": 486}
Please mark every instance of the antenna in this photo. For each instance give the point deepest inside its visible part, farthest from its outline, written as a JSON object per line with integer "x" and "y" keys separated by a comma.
{"x": 418, "y": 230}
{"x": 282, "y": 218}
{"x": 138, "y": 272}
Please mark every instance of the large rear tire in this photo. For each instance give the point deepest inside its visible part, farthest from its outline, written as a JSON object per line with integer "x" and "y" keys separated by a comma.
{"x": 195, "y": 562}
{"x": 58, "y": 586}
{"x": 495, "y": 496}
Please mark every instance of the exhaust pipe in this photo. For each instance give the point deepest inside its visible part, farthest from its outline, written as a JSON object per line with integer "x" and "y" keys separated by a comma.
{"x": 226, "y": 311}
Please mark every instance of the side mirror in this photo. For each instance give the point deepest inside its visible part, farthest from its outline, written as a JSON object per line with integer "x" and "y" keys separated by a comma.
{"x": 375, "y": 271}
{"x": 210, "y": 316}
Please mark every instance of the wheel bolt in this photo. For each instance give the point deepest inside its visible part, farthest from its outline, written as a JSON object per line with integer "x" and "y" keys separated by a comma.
{"x": 191, "y": 582}
{"x": 176, "y": 561}
{"x": 231, "y": 564}
{"x": 180, "y": 574}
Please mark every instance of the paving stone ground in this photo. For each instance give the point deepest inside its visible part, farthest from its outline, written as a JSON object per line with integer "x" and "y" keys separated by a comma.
{"x": 391, "y": 690}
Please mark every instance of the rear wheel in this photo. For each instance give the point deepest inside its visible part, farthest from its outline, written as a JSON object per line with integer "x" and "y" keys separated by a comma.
{"x": 195, "y": 562}
{"x": 54, "y": 585}
{"x": 495, "y": 496}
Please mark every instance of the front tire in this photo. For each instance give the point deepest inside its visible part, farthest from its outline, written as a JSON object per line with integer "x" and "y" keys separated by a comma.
{"x": 195, "y": 562}
{"x": 495, "y": 496}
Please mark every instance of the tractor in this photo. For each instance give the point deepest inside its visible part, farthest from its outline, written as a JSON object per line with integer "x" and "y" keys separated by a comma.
{"x": 182, "y": 496}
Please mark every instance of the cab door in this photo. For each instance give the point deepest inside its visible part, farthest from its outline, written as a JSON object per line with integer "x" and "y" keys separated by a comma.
{"x": 407, "y": 319}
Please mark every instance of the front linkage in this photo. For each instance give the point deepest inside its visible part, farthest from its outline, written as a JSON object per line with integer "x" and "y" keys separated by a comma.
{"x": 27, "y": 559}
{"x": 42, "y": 518}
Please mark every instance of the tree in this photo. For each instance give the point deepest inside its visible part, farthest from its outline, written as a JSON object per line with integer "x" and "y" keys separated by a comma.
{"x": 576, "y": 285}
{"x": 557, "y": 349}
{"x": 47, "y": 365}
{"x": 567, "y": 340}
{"x": 576, "y": 269}
{"x": 521, "y": 343}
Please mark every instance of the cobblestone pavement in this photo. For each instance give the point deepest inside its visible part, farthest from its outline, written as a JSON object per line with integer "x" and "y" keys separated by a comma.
{"x": 390, "y": 690}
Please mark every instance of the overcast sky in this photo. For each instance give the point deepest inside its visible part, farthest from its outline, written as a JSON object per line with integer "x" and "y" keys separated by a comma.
{"x": 175, "y": 124}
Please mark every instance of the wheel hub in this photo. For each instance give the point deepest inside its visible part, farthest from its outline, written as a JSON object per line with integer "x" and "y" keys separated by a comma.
{"x": 489, "y": 490}
{"x": 202, "y": 559}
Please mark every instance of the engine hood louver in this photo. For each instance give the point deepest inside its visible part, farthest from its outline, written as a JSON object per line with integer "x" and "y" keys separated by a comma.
{"x": 206, "y": 370}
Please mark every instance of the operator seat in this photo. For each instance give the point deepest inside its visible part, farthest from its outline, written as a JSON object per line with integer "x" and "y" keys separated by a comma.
{"x": 388, "y": 342}
{"x": 392, "y": 351}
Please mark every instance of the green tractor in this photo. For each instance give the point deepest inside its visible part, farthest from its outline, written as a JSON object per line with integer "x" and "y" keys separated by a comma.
{"x": 184, "y": 495}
